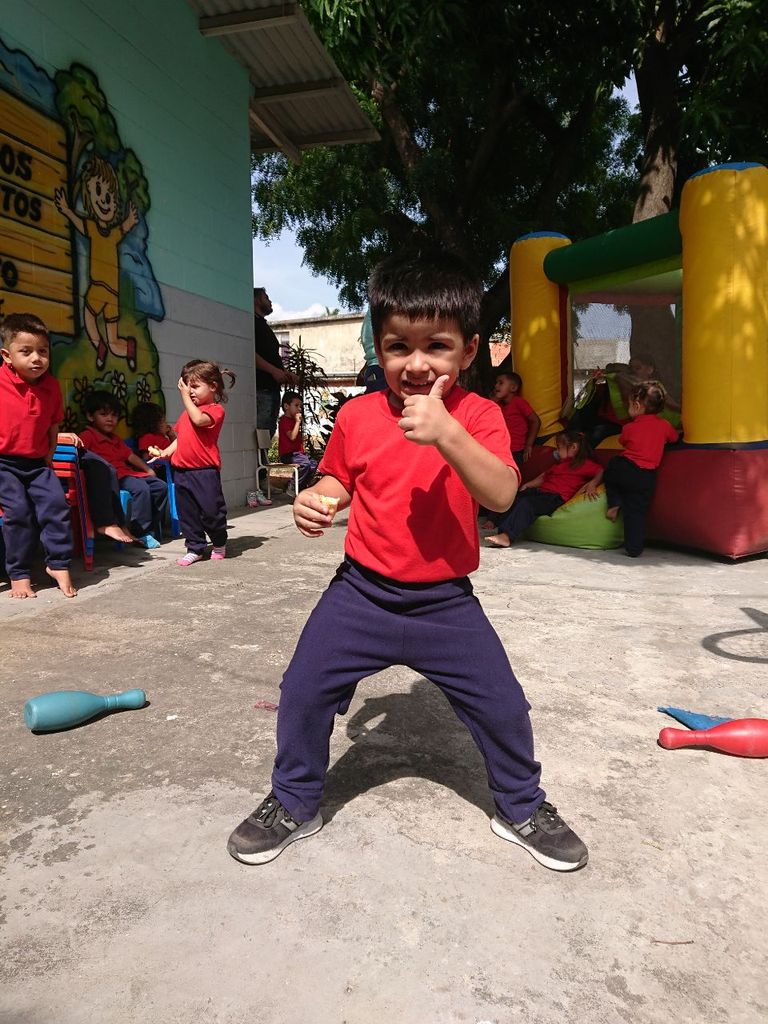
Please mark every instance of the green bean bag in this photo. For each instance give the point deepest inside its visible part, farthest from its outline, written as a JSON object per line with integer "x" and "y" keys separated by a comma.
{"x": 579, "y": 523}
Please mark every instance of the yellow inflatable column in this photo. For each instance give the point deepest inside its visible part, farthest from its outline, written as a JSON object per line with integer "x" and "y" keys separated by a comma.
{"x": 724, "y": 224}
{"x": 541, "y": 350}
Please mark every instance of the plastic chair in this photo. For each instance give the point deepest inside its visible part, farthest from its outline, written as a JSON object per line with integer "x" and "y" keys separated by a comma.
{"x": 263, "y": 441}
{"x": 66, "y": 466}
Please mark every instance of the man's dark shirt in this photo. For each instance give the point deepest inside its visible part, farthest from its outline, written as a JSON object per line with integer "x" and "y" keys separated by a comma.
{"x": 268, "y": 347}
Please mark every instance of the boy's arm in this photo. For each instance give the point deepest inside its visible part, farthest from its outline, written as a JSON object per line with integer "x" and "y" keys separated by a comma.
{"x": 293, "y": 432}
{"x": 137, "y": 463}
{"x": 534, "y": 425}
{"x": 53, "y": 440}
{"x": 425, "y": 420}
{"x": 309, "y": 513}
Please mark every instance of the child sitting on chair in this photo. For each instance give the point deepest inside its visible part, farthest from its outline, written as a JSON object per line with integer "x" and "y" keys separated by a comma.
{"x": 574, "y": 473}
{"x": 290, "y": 445}
{"x": 150, "y": 428}
{"x": 149, "y": 494}
{"x": 31, "y": 497}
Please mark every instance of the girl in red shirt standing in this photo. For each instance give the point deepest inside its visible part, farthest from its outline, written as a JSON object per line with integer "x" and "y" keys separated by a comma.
{"x": 574, "y": 472}
{"x": 630, "y": 478}
{"x": 196, "y": 460}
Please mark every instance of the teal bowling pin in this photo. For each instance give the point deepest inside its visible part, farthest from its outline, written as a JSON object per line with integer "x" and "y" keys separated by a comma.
{"x": 64, "y": 708}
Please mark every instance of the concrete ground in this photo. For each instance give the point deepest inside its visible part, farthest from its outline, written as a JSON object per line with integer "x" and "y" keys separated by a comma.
{"x": 120, "y": 903}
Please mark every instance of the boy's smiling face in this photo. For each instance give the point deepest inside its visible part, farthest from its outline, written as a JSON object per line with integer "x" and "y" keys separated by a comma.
{"x": 414, "y": 353}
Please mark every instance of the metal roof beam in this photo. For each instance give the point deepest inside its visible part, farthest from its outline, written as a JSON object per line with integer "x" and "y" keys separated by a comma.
{"x": 340, "y": 138}
{"x": 264, "y": 124}
{"x": 248, "y": 21}
{"x": 296, "y": 90}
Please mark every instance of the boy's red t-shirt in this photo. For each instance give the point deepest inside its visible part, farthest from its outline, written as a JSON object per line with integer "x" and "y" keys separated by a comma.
{"x": 411, "y": 517}
{"x": 158, "y": 440}
{"x": 113, "y": 449}
{"x": 643, "y": 440}
{"x": 197, "y": 447}
{"x": 285, "y": 446}
{"x": 27, "y": 413}
{"x": 516, "y": 412}
{"x": 565, "y": 479}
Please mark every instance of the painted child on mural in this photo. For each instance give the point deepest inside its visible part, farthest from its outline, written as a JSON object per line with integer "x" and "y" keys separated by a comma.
{"x": 101, "y": 198}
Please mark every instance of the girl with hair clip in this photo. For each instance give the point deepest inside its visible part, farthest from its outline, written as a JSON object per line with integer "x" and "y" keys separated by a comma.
{"x": 573, "y": 473}
{"x": 630, "y": 478}
{"x": 196, "y": 460}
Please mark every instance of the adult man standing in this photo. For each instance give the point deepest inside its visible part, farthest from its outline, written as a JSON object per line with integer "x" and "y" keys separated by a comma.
{"x": 271, "y": 375}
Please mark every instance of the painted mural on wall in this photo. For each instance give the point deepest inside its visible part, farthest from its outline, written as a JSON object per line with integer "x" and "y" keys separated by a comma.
{"x": 73, "y": 233}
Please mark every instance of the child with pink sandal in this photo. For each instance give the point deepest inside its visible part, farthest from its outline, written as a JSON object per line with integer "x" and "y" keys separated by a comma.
{"x": 196, "y": 460}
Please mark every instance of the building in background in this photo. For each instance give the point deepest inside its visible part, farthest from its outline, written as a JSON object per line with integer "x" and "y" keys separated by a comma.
{"x": 334, "y": 341}
{"x": 126, "y": 134}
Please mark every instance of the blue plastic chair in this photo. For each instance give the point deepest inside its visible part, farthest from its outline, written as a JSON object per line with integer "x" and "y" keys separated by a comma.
{"x": 161, "y": 467}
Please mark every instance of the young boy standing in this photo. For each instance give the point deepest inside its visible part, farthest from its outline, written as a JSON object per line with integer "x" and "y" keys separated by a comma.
{"x": 31, "y": 497}
{"x": 412, "y": 462}
{"x": 522, "y": 422}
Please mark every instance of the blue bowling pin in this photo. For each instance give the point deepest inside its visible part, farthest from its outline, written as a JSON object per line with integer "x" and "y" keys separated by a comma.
{"x": 64, "y": 708}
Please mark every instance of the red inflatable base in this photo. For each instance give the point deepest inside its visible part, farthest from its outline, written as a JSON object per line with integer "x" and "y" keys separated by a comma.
{"x": 714, "y": 499}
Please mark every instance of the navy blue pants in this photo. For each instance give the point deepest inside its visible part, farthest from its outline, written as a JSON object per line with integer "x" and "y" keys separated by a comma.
{"x": 201, "y": 507}
{"x": 34, "y": 507}
{"x": 631, "y": 489}
{"x": 526, "y": 509}
{"x": 364, "y": 623}
{"x": 149, "y": 500}
{"x": 307, "y": 466}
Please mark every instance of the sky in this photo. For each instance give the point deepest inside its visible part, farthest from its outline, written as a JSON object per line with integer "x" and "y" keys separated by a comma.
{"x": 294, "y": 290}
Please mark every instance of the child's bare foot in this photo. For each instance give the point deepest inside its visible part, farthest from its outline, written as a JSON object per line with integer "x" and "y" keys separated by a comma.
{"x": 498, "y": 540}
{"x": 612, "y": 513}
{"x": 22, "y": 588}
{"x": 64, "y": 581}
{"x": 116, "y": 533}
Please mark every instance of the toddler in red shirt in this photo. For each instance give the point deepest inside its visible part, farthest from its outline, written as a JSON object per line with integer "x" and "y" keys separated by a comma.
{"x": 522, "y": 422}
{"x": 573, "y": 473}
{"x": 290, "y": 444}
{"x": 196, "y": 460}
{"x": 149, "y": 494}
{"x": 411, "y": 463}
{"x": 630, "y": 478}
{"x": 31, "y": 496}
{"x": 150, "y": 428}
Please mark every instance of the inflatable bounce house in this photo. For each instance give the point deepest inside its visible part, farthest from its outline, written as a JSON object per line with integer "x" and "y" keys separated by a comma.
{"x": 708, "y": 262}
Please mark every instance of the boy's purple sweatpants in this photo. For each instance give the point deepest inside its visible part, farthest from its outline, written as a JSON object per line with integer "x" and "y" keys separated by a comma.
{"x": 34, "y": 507}
{"x": 364, "y": 623}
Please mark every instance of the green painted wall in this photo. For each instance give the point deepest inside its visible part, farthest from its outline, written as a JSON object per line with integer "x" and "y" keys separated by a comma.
{"x": 181, "y": 102}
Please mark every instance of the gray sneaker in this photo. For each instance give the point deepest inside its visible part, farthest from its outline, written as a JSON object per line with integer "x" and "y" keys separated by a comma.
{"x": 546, "y": 837}
{"x": 266, "y": 833}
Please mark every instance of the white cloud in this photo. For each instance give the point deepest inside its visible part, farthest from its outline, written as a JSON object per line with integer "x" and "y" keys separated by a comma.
{"x": 279, "y": 313}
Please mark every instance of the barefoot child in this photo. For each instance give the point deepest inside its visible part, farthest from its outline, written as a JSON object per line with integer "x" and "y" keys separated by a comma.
{"x": 572, "y": 474}
{"x": 412, "y": 463}
{"x": 290, "y": 446}
{"x": 630, "y": 478}
{"x": 31, "y": 496}
{"x": 196, "y": 460}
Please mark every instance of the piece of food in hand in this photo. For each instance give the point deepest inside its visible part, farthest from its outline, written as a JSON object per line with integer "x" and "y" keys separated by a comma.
{"x": 154, "y": 451}
{"x": 330, "y": 504}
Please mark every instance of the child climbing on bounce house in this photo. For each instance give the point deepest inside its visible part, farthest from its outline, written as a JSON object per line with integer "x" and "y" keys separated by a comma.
{"x": 573, "y": 473}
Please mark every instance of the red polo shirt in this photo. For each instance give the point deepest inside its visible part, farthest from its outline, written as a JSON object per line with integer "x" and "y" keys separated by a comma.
{"x": 516, "y": 412}
{"x": 411, "y": 518}
{"x": 113, "y": 449}
{"x": 27, "y": 413}
{"x": 643, "y": 439}
{"x": 565, "y": 479}
{"x": 197, "y": 447}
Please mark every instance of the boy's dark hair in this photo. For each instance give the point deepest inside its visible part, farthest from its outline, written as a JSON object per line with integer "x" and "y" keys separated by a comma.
{"x": 651, "y": 394}
{"x": 210, "y": 373}
{"x": 146, "y": 417}
{"x": 569, "y": 437}
{"x": 289, "y": 397}
{"x": 512, "y": 376}
{"x": 98, "y": 401}
{"x": 425, "y": 284}
{"x": 22, "y": 323}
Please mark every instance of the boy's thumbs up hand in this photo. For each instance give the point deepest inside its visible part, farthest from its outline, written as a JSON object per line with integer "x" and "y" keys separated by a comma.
{"x": 425, "y": 417}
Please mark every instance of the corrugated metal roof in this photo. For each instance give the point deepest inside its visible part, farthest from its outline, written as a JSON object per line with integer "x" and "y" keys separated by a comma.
{"x": 299, "y": 98}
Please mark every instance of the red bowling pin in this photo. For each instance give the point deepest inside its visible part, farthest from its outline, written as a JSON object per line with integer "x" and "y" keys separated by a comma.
{"x": 747, "y": 737}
